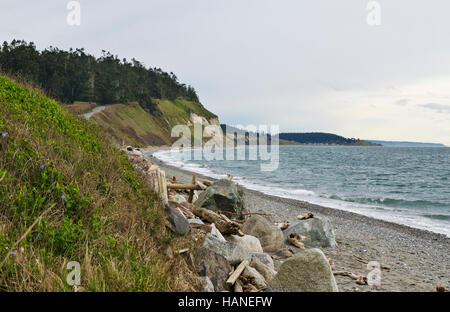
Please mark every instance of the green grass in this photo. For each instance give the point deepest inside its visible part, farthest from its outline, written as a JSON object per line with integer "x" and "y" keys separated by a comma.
{"x": 129, "y": 124}
{"x": 87, "y": 202}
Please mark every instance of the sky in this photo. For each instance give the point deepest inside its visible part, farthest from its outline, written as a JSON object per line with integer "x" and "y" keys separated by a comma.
{"x": 303, "y": 65}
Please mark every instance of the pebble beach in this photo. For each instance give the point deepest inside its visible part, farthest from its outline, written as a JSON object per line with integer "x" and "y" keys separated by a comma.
{"x": 412, "y": 259}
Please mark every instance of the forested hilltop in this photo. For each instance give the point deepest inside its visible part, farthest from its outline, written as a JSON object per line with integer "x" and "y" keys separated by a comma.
{"x": 143, "y": 104}
{"x": 74, "y": 75}
{"x": 322, "y": 138}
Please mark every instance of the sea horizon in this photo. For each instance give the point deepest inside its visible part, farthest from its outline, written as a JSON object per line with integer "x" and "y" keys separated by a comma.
{"x": 391, "y": 202}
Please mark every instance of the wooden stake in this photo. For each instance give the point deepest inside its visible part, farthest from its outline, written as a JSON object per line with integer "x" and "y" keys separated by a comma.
{"x": 191, "y": 192}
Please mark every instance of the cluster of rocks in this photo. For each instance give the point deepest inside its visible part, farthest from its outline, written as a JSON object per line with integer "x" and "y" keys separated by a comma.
{"x": 250, "y": 253}
{"x": 271, "y": 263}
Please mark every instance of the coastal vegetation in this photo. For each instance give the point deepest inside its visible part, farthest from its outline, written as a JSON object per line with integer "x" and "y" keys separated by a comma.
{"x": 143, "y": 104}
{"x": 67, "y": 194}
{"x": 75, "y": 75}
{"x": 322, "y": 138}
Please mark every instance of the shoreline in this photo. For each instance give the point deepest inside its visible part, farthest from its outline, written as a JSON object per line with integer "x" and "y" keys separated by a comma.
{"x": 419, "y": 259}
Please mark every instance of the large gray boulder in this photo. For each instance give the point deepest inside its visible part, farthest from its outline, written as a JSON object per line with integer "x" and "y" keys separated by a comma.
{"x": 178, "y": 198}
{"x": 262, "y": 268}
{"x": 215, "y": 232}
{"x": 214, "y": 266}
{"x": 195, "y": 221}
{"x": 222, "y": 195}
{"x": 176, "y": 221}
{"x": 270, "y": 236}
{"x": 234, "y": 253}
{"x": 307, "y": 271}
{"x": 207, "y": 285}
{"x": 318, "y": 232}
{"x": 247, "y": 241}
{"x": 255, "y": 276}
{"x": 264, "y": 258}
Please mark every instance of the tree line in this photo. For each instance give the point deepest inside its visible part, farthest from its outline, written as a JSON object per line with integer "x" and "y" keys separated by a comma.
{"x": 74, "y": 75}
{"x": 318, "y": 138}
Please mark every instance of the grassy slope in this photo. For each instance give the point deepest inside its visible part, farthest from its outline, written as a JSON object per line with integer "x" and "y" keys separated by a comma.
{"x": 90, "y": 205}
{"x": 130, "y": 124}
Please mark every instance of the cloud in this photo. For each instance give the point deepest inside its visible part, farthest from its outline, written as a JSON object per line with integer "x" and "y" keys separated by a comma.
{"x": 305, "y": 65}
{"x": 402, "y": 102}
{"x": 440, "y": 108}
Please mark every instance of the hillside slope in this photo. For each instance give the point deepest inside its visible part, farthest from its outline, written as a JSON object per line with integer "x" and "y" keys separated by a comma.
{"x": 130, "y": 124}
{"x": 66, "y": 194}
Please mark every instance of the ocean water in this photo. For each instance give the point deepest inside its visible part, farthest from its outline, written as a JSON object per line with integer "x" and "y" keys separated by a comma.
{"x": 405, "y": 185}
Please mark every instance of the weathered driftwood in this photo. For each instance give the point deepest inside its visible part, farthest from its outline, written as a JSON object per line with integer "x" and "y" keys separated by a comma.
{"x": 240, "y": 233}
{"x": 191, "y": 192}
{"x": 202, "y": 185}
{"x": 182, "y": 251}
{"x": 207, "y": 182}
{"x": 308, "y": 215}
{"x": 237, "y": 272}
{"x": 247, "y": 213}
{"x": 204, "y": 227}
{"x": 360, "y": 280}
{"x": 238, "y": 286}
{"x": 283, "y": 225}
{"x": 382, "y": 266}
{"x": 158, "y": 179}
{"x": 225, "y": 227}
{"x": 184, "y": 211}
{"x": 297, "y": 240}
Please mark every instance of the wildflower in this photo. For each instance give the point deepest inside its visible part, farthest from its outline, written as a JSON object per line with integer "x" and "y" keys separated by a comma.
{"x": 5, "y": 217}
{"x": 4, "y": 134}
{"x": 42, "y": 166}
{"x": 81, "y": 196}
{"x": 14, "y": 252}
{"x": 63, "y": 197}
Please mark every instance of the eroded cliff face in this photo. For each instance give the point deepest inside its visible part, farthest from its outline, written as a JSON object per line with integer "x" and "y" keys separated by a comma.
{"x": 211, "y": 130}
{"x": 129, "y": 124}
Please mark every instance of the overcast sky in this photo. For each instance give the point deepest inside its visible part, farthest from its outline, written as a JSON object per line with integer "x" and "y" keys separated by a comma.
{"x": 305, "y": 65}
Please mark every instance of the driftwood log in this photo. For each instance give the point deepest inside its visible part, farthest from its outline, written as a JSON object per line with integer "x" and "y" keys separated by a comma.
{"x": 283, "y": 225}
{"x": 158, "y": 180}
{"x": 204, "y": 227}
{"x": 306, "y": 216}
{"x": 297, "y": 240}
{"x": 247, "y": 213}
{"x": 191, "y": 192}
{"x": 224, "y": 226}
{"x": 233, "y": 278}
{"x": 360, "y": 280}
{"x": 207, "y": 182}
{"x": 382, "y": 266}
{"x": 238, "y": 286}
